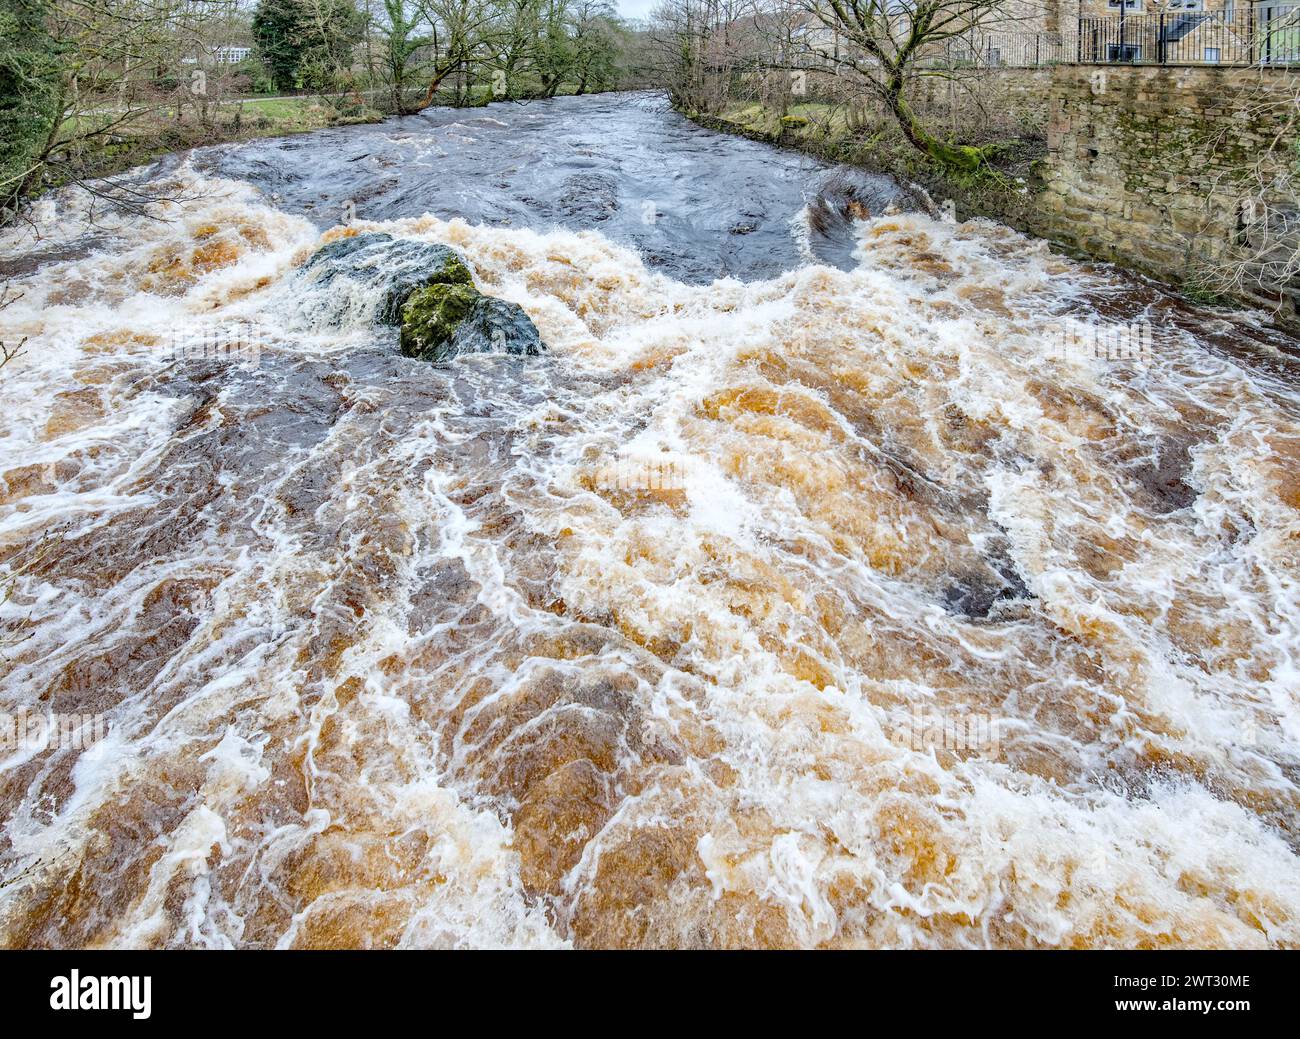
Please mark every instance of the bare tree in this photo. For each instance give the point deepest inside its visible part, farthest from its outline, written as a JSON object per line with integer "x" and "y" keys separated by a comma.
{"x": 692, "y": 47}
{"x": 595, "y": 44}
{"x": 518, "y": 30}
{"x": 120, "y": 64}
{"x": 7, "y": 352}
{"x": 887, "y": 45}
{"x": 459, "y": 35}
{"x": 1263, "y": 263}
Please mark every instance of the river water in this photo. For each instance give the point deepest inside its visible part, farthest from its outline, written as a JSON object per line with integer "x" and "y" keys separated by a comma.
{"x": 815, "y": 588}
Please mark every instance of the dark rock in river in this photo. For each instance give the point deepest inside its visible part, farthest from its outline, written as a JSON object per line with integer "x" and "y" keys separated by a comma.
{"x": 395, "y": 267}
{"x": 443, "y": 321}
{"x": 429, "y": 291}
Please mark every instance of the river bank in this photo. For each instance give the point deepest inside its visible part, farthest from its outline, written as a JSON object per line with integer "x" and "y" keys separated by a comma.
{"x": 115, "y": 145}
{"x": 1151, "y": 169}
{"x": 89, "y": 153}
{"x": 1005, "y": 192}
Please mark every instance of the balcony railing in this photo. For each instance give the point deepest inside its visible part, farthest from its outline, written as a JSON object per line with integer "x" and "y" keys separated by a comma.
{"x": 1012, "y": 50}
{"x": 1260, "y": 35}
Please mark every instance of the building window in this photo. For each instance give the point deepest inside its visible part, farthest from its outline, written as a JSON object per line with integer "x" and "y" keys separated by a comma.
{"x": 1123, "y": 52}
{"x": 1212, "y": 55}
{"x": 1127, "y": 5}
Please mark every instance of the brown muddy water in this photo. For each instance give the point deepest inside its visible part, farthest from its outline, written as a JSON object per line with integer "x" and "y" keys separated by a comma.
{"x": 808, "y": 592}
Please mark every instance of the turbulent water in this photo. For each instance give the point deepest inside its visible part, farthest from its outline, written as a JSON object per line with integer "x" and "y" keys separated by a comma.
{"x": 804, "y": 594}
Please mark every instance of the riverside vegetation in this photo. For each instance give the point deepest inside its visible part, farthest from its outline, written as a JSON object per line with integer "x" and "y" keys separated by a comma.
{"x": 91, "y": 90}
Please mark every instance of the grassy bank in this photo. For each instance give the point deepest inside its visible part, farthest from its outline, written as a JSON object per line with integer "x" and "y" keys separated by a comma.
{"x": 102, "y": 144}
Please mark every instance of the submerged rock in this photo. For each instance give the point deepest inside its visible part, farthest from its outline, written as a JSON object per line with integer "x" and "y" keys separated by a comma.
{"x": 426, "y": 289}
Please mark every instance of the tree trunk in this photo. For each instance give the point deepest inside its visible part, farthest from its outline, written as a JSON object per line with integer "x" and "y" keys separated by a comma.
{"x": 956, "y": 156}
{"x": 126, "y": 79}
{"x": 434, "y": 84}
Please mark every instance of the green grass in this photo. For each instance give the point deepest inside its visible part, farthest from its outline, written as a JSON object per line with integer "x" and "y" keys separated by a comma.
{"x": 282, "y": 110}
{"x": 757, "y": 118}
{"x": 97, "y": 145}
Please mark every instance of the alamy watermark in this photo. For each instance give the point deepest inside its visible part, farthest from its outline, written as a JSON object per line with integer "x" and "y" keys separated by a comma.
{"x": 75, "y": 991}
{"x": 239, "y": 341}
{"x": 966, "y": 733}
{"x": 30, "y": 731}
{"x": 1129, "y": 341}
{"x": 641, "y": 473}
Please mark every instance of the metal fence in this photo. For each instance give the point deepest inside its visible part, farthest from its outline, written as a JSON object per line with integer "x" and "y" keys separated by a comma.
{"x": 1012, "y": 50}
{"x": 1261, "y": 34}
{"x": 1258, "y": 35}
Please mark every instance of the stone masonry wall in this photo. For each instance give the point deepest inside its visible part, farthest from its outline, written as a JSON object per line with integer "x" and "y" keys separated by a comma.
{"x": 1143, "y": 163}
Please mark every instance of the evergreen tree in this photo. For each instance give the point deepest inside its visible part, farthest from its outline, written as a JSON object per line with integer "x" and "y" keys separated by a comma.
{"x": 400, "y": 45}
{"x": 280, "y": 32}
{"x": 29, "y": 94}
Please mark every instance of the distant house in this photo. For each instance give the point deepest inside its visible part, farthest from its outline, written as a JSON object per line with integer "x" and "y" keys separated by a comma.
{"x": 224, "y": 55}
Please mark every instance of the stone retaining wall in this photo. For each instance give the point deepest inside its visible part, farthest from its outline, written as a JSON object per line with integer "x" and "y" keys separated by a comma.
{"x": 1144, "y": 165}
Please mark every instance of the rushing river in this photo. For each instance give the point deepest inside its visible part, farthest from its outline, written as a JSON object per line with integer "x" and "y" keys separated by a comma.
{"x": 806, "y": 592}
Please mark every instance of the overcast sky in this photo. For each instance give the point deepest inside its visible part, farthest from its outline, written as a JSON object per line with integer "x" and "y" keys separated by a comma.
{"x": 635, "y": 8}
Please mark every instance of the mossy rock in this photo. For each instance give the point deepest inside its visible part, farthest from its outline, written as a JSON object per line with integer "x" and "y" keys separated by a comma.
{"x": 961, "y": 157}
{"x": 437, "y": 266}
{"x": 794, "y": 122}
{"x": 444, "y": 321}
{"x": 425, "y": 288}
{"x": 497, "y": 326}
{"x": 391, "y": 268}
{"x": 431, "y": 316}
